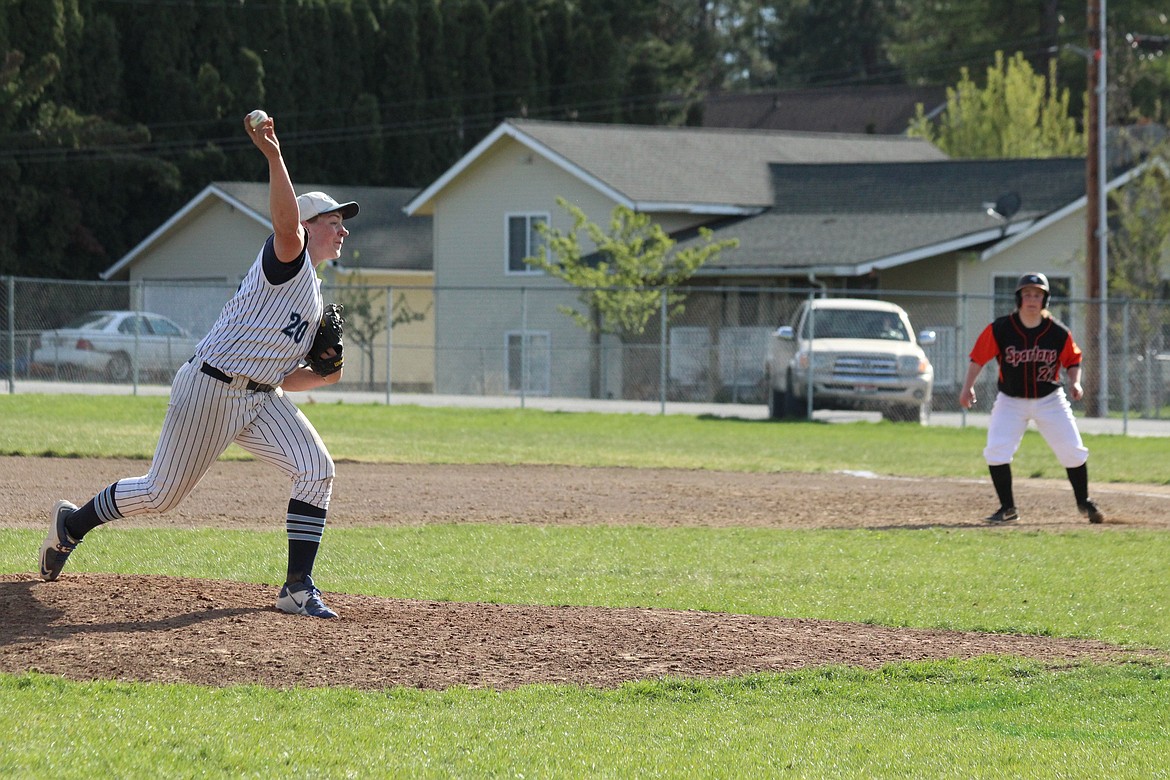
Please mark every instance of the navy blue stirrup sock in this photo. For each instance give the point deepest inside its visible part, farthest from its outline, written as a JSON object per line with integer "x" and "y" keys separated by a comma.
{"x": 86, "y": 518}
{"x": 305, "y": 524}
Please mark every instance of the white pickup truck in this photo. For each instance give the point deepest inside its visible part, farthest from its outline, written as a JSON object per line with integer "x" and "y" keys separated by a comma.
{"x": 863, "y": 355}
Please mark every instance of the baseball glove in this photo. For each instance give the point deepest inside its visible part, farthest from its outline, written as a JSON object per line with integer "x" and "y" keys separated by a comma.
{"x": 328, "y": 337}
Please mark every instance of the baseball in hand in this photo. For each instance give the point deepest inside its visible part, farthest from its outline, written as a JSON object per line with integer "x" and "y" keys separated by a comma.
{"x": 257, "y": 118}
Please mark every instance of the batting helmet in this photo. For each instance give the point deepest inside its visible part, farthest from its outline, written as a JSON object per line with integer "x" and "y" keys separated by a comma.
{"x": 1032, "y": 280}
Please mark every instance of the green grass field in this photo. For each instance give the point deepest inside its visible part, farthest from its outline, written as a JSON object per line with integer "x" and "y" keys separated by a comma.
{"x": 991, "y": 717}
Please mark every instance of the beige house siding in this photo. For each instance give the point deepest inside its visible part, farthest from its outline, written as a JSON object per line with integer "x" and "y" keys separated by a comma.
{"x": 1058, "y": 249}
{"x": 471, "y": 236}
{"x": 408, "y": 349}
{"x": 191, "y": 269}
{"x": 220, "y": 249}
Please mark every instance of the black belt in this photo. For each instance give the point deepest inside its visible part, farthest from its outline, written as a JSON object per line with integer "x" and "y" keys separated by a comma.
{"x": 215, "y": 373}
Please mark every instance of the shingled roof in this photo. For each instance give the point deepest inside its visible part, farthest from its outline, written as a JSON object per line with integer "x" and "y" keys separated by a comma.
{"x": 382, "y": 235}
{"x": 685, "y": 169}
{"x": 850, "y": 219}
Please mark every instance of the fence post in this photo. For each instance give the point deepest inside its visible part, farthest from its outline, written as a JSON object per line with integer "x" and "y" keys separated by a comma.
{"x": 139, "y": 296}
{"x": 389, "y": 340}
{"x": 523, "y": 346}
{"x": 1125, "y": 366}
{"x": 10, "y": 286}
{"x": 961, "y": 339}
{"x": 812, "y": 324}
{"x": 662, "y": 354}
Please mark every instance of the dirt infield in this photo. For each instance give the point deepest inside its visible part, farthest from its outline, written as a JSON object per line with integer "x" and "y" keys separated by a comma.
{"x": 150, "y": 628}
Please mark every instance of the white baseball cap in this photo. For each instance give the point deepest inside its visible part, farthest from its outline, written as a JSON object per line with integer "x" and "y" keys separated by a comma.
{"x": 313, "y": 204}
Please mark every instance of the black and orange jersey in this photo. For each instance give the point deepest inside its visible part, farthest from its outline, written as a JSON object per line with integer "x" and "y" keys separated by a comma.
{"x": 1030, "y": 359}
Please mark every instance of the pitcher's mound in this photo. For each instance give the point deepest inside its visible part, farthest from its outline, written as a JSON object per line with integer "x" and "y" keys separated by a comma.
{"x": 212, "y": 632}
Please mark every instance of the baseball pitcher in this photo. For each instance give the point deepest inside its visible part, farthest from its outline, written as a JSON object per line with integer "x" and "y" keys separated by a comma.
{"x": 275, "y": 334}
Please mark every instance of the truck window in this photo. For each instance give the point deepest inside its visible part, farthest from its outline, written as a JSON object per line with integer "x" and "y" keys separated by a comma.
{"x": 842, "y": 324}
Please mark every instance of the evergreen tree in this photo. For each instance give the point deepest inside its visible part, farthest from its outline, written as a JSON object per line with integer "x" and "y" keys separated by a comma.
{"x": 99, "y": 69}
{"x": 439, "y": 114}
{"x": 641, "y": 102}
{"x": 161, "y": 87}
{"x": 475, "y": 87}
{"x": 266, "y": 32}
{"x": 557, "y": 33}
{"x": 365, "y": 151}
{"x": 215, "y": 37}
{"x": 513, "y": 64}
{"x": 306, "y": 133}
{"x": 596, "y": 74}
{"x": 368, "y": 31}
{"x": 833, "y": 42}
{"x": 401, "y": 97}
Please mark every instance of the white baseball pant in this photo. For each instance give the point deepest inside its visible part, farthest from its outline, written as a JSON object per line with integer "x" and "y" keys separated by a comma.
{"x": 1054, "y": 419}
{"x": 205, "y": 415}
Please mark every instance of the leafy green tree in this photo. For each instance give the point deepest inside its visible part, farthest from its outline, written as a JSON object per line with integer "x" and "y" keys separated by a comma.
{"x": 1139, "y": 247}
{"x": 1017, "y": 113}
{"x": 622, "y": 281}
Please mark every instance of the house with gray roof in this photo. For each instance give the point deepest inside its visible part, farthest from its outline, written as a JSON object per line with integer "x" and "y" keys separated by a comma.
{"x": 883, "y": 214}
{"x": 191, "y": 264}
{"x": 499, "y": 324}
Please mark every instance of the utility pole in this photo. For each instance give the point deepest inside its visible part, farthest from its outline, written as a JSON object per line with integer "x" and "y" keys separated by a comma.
{"x": 1096, "y": 225}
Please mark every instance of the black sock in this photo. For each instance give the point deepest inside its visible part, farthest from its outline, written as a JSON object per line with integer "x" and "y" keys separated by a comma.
{"x": 1001, "y": 478}
{"x": 305, "y": 525}
{"x": 1079, "y": 479}
{"x": 85, "y": 519}
{"x": 301, "y": 556}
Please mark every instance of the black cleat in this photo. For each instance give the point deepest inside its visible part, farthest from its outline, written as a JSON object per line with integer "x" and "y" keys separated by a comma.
{"x": 1090, "y": 510}
{"x": 1005, "y": 514}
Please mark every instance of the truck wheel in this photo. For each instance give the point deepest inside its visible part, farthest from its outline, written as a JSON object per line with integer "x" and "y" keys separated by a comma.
{"x": 793, "y": 406}
{"x": 775, "y": 404}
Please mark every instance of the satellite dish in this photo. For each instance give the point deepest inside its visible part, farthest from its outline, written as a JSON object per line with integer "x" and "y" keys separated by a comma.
{"x": 1005, "y": 206}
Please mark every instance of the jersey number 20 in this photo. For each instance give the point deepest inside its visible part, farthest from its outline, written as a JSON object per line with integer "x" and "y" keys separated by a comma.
{"x": 297, "y": 328}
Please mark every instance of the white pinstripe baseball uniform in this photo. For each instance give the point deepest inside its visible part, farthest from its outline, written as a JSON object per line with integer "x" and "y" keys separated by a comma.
{"x": 231, "y": 390}
{"x": 260, "y": 336}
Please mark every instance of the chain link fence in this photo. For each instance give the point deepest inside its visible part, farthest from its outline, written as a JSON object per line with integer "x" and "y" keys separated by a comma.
{"x": 692, "y": 344}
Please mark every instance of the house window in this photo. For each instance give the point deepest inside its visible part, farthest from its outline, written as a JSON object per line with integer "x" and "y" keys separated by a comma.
{"x": 529, "y": 358}
{"x": 1059, "y": 286}
{"x": 524, "y": 241}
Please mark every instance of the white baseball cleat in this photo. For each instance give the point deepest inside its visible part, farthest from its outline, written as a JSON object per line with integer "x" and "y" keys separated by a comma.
{"x": 303, "y": 598}
{"x": 58, "y": 544}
